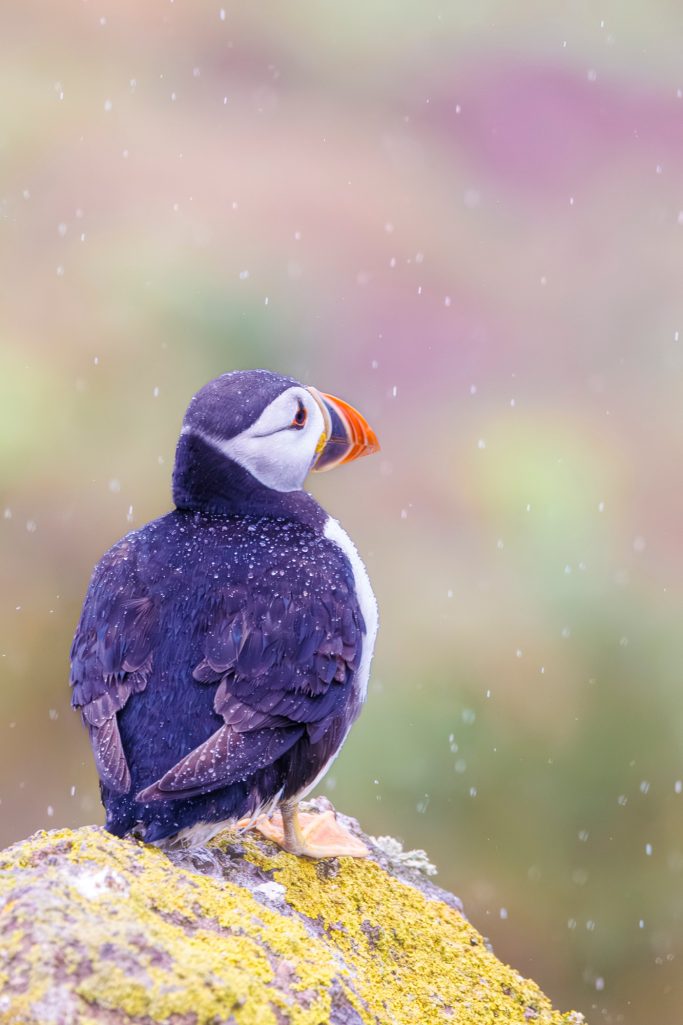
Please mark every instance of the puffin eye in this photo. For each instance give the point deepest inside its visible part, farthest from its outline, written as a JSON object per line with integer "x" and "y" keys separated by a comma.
{"x": 300, "y": 417}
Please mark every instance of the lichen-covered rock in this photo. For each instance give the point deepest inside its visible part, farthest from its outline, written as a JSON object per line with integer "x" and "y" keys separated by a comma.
{"x": 99, "y": 930}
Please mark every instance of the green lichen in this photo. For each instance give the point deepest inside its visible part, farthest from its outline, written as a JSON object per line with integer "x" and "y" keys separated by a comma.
{"x": 416, "y": 859}
{"x": 97, "y": 929}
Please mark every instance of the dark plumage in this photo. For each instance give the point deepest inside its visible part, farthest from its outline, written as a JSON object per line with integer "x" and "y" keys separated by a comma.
{"x": 216, "y": 661}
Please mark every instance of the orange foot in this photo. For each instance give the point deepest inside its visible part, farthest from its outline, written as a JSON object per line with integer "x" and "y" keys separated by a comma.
{"x": 314, "y": 836}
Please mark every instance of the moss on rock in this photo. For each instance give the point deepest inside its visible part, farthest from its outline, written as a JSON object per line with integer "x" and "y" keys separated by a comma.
{"x": 95, "y": 929}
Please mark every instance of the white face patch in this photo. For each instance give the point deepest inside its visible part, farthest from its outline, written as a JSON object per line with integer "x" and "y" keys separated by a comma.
{"x": 274, "y": 451}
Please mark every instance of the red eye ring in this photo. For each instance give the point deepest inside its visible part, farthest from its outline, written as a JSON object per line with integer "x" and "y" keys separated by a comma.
{"x": 300, "y": 417}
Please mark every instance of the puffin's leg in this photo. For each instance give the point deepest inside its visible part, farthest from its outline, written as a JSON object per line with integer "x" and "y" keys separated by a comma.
{"x": 315, "y": 836}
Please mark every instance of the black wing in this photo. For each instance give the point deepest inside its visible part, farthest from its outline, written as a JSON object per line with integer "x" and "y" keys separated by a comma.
{"x": 111, "y": 658}
{"x": 282, "y": 666}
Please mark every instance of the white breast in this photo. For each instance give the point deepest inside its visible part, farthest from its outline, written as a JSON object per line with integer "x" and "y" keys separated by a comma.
{"x": 368, "y": 606}
{"x": 366, "y": 599}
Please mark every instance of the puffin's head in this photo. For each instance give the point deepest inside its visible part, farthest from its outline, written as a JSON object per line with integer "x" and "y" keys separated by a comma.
{"x": 270, "y": 426}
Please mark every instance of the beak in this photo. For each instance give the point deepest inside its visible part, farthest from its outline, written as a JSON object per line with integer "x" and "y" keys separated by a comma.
{"x": 347, "y": 434}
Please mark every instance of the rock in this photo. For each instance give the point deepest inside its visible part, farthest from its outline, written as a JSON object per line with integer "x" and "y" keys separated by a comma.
{"x": 94, "y": 929}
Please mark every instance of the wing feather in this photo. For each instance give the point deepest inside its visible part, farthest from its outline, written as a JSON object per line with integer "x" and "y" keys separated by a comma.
{"x": 110, "y": 760}
{"x": 228, "y": 756}
{"x": 282, "y": 666}
{"x": 111, "y": 658}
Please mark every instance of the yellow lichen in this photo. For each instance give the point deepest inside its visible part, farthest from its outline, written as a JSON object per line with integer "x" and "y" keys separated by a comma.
{"x": 412, "y": 959}
{"x": 112, "y": 927}
{"x": 199, "y": 947}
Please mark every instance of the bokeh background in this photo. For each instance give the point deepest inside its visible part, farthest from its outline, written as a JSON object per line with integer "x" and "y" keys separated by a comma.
{"x": 468, "y": 221}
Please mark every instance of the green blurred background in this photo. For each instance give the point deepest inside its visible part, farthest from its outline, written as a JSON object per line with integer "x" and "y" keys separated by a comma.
{"x": 468, "y": 221}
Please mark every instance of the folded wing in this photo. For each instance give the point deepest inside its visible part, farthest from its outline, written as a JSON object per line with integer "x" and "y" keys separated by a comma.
{"x": 282, "y": 668}
{"x": 111, "y": 659}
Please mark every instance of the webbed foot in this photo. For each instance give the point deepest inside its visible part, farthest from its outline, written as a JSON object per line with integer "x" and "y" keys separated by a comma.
{"x": 313, "y": 836}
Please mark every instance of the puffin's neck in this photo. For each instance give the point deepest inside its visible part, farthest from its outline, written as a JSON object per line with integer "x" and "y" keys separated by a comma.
{"x": 206, "y": 480}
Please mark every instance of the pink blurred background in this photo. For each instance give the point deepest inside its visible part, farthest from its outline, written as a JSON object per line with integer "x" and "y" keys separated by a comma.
{"x": 469, "y": 223}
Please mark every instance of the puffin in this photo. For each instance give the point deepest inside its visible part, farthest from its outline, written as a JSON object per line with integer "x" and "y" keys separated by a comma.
{"x": 223, "y": 650}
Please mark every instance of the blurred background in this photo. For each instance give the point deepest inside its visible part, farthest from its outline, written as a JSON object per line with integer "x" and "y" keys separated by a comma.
{"x": 468, "y": 221}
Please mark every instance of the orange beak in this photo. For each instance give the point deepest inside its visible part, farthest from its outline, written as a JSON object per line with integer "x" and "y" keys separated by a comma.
{"x": 347, "y": 434}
